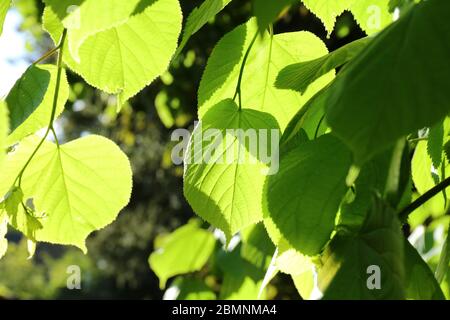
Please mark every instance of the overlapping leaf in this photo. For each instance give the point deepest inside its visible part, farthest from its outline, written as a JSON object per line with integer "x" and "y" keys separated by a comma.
{"x": 266, "y": 58}
{"x": 30, "y": 101}
{"x": 404, "y": 95}
{"x": 346, "y": 261}
{"x": 266, "y": 12}
{"x": 299, "y": 76}
{"x": 420, "y": 281}
{"x": 224, "y": 175}
{"x": 371, "y": 15}
{"x": 199, "y": 17}
{"x": 304, "y": 197}
{"x": 75, "y": 188}
{"x": 126, "y": 57}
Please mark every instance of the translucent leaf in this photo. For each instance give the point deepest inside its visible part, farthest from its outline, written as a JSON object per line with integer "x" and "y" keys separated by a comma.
{"x": 425, "y": 177}
{"x": 292, "y": 262}
{"x": 371, "y": 15}
{"x": 186, "y": 250}
{"x": 125, "y": 58}
{"x": 4, "y": 6}
{"x": 444, "y": 261}
{"x": 30, "y": 101}
{"x": 4, "y": 129}
{"x": 327, "y": 11}
{"x": 266, "y": 12}
{"x": 304, "y": 283}
{"x": 82, "y": 19}
{"x": 307, "y": 191}
{"x": 435, "y": 144}
{"x": 242, "y": 279}
{"x": 257, "y": 247}
{"x": 368, "y": 108}
{"x": 420, "y": 281}
{"x": 20, "y": 216}
{"x": 345, "y": 272}
{"x": 76, "y": 188}
{"x": 299, "y": 76}
{"x": 223, "y": 177}
{"x": 183, "y": 288}
{"x": 266, "y": 58}
{"x": 199, "y": 17}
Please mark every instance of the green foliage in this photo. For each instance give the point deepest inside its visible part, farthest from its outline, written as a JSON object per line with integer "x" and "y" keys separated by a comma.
{"x": 330, "y": 216}
{"x": 266, "y": 12}
{"x": 199, "y": 17}
{"x": 348, "y": 257}
{"x": 66, "y": 184}
{"x": 370, "y": 120}
{"x": 420, "y": 281}
{"x": 307, "y": 192}
{"x": 124, "y": 58}
{"x": 185, "y": 250}
{"x": 30, "y": 101}
{"x": 226, "y": 192}
{"x": 371, "y": 15}
{"x": 299, "y": 76}
{"x": 267, "y": 56}
{"x": 4, "y": 129}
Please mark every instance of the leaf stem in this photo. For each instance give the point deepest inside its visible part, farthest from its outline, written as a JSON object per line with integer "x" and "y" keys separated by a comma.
{"x": 404, "y": 213}
{"x": 238, "y": 92}
{"x": 52, "y": 116}
{"x": 47, "y": 54}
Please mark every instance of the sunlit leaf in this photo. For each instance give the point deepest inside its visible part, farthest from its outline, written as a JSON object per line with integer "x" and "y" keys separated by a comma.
{"x": 185, "y": 250}
{"x": 76, "y": 188}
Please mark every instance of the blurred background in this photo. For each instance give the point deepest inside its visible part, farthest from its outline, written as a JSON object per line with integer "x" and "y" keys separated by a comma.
{"x": 116, "y": 265}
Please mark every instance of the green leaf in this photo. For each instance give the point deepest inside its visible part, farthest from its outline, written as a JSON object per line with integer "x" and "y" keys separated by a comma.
{"x": 4, "y": 129}
{"x": 420, "y": 281}
{"x": 30, "y": 101}
{"x": 4, "y": 6}
{"x": 435, "y": 143}
{"x": 371, "y": 15}
{"x": 21, "y": 216}
{"x": 76, "y": 188}
{"x": 190, "y": 289}
{"x": 304, "y": 283}
{"x": 371, "y": 180}
{"x": 308, "y": 123}
{"x": 186, "y": 250}
{"x": 267, "y": 12}
{"x": 307, "y": 191}
{"x": 266, "y": 58}
{"x": 292, "y": 262}
{"x": 223, "y": 176}
{"x": 257, "y": 247}
{"x": 199, "y": 17}
{"x": 425, "y": 177}
{"x": 368, "y": 108}
{"x": 345, "y": 272}
{"x": 82, "y": 19}
{"x": 444, "y": 260}
{"x": 299, "y": 76}
{"x": 242, "y": 279}
{"x": 327, "y": 11}
{"x": 125, "y": 58}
